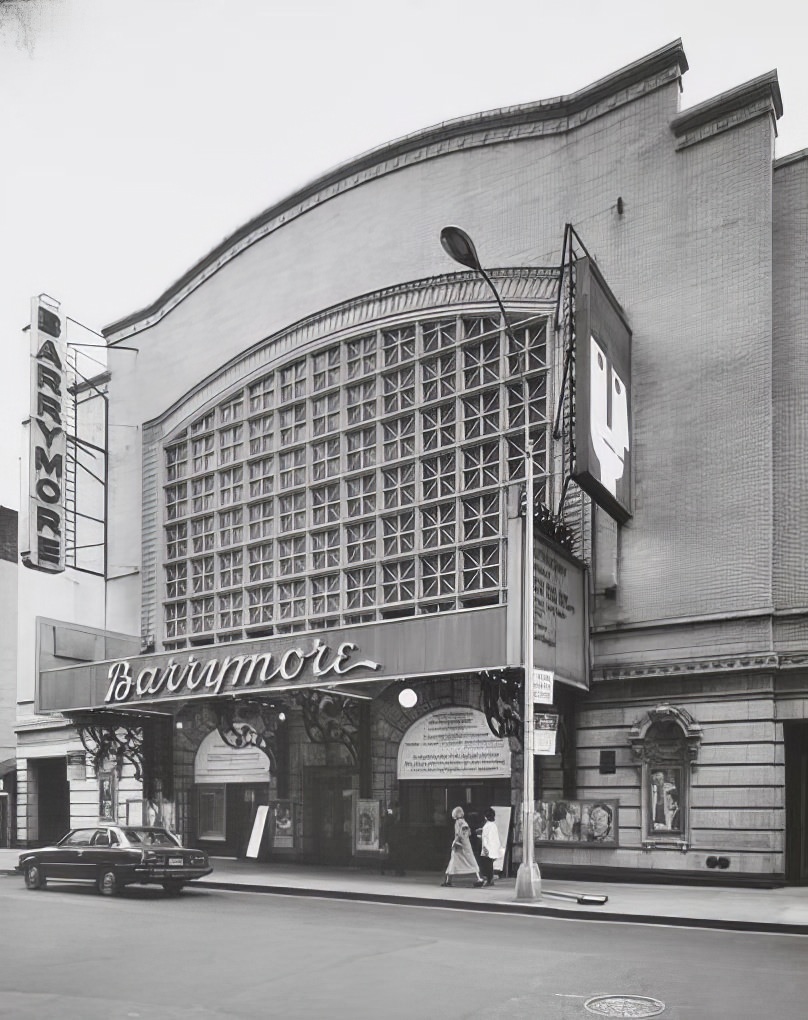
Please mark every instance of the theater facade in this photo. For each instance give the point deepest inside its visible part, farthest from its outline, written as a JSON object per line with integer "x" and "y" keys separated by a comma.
{"x": 316, "y": 518}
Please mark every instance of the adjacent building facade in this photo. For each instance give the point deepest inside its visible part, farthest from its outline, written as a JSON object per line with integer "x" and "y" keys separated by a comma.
{"x": 313, "y": 603}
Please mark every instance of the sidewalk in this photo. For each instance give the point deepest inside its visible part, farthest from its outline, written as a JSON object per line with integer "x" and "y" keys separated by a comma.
{"x": 782, "y": 910}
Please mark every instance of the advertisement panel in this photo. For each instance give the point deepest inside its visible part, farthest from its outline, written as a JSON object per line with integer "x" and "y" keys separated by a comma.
{"x": 47, "y": 450}
{"x": 560, "y": 617}
{"x": 602, "y": 394}
{"x": 452, "y": 743}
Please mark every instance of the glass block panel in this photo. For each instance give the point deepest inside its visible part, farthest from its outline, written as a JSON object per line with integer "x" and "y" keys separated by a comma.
{"x": 231, "y": 531}
{"x": 438, "y": 474}
{"x": 176, "y": 461}
{"x": 361, "y": 356}
{"x": 439, "y": 574}
{"x": 439, "y": 525}
{"x": 231, "y": 568}
{"x": 398, "y": 533}
{"x": 262, "y": 394}
{"x": 231, "y": 445}
{"x": 202, "y": 494}
{"x": 261, "y": 563}
{"x": 481, "y": 568}
{"x": 481, "y": 517}
{"x": 325, "y": 503}
{"x": 437, "y": 335}
{"x": 399, "y": 485}
{"x": 261, "y": 519}
{"x": 398, "y": 345}
{"x": 176, "y": 580}
{"x": 231, "y": 489}
{"x": 325, "y": 548}
{"x": 398, "y": 581}
{"x": 261, "y": 474}
{"x": 360, "y": 541}
{"x": 291, "y": 556}
{"x": 438, "y": 377}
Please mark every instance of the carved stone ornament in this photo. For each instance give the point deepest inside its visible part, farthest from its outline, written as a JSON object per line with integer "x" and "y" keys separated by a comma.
{"x": 329, "y": 717}
{"x": 106, "y": 739}
{"x": 676, "y": 736}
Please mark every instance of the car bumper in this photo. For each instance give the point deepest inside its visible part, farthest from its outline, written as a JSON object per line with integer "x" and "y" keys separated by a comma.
{"x": 163, "y": 874}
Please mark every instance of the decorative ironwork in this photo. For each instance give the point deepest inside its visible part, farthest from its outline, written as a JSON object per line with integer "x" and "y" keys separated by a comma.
{"x": 502, "y": 702}
{"x": 243, "y": 723}
{"x": 329, "y": 717}
{"x": 108, "y": 738}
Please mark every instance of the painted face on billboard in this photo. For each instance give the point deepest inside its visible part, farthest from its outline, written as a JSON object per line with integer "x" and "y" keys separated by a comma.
{"x": 608, "y": 417}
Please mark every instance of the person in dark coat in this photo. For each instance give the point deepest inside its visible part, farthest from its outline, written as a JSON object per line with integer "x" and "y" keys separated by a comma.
{"x": 393, "y": 840}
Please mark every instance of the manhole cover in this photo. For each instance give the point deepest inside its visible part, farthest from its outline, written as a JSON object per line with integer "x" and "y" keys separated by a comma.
{"x": 624, "y": 1005}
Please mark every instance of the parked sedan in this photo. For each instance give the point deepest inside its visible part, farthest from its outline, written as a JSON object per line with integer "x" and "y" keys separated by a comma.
{"x": 113, "y": 856}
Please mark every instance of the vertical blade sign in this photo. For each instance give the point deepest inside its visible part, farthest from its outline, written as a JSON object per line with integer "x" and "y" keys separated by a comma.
{"x": 48, "y": 442}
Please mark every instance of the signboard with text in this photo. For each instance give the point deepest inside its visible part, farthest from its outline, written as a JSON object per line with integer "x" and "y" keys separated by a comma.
{"x": 452, "y": 743}
{"x": 47, "y": 452}
{"x": 603, "y": 394}
{"x": 560, "y": 617}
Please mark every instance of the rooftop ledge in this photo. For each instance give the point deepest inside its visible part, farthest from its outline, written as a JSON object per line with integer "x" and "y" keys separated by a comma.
{"x": 753, "y": 98}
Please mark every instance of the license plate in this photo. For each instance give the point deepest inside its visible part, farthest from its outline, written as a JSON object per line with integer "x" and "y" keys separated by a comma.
{"x": 175, "y": 862}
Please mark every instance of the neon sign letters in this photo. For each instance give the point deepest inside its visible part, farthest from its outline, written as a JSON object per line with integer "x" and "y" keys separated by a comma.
{"x": 48, "y": 444}
{"x": 181, "y": 679}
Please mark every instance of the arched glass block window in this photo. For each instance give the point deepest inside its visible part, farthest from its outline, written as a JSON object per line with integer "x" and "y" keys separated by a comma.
{"x": 665, "y": 742}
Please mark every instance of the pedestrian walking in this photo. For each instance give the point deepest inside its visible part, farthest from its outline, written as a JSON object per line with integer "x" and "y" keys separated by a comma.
{"x": 462, "y": 860}
{"x": 491, "y": 847}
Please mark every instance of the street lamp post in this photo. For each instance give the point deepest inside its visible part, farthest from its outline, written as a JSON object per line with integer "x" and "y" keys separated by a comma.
{"x": 459, "y": 246}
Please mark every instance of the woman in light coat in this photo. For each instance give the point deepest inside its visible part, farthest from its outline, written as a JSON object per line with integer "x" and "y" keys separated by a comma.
{"x": 462, "y": 860}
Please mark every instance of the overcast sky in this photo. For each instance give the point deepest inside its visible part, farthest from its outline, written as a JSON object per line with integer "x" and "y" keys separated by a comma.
{"x": 135, "y": 136}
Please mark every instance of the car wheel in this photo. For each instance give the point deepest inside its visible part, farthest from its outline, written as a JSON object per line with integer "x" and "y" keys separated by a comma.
{"x": 173, "y": 887}
{"x": 108, "y": 882}
{"x": 34, "y": 879}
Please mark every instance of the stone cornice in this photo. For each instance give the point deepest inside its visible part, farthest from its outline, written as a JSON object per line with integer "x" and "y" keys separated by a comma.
{"x": 728, "y": 110}
{"x": 766, "y": 661}
{"x": 509, "y": 124}
{"x": 793, "y": 157}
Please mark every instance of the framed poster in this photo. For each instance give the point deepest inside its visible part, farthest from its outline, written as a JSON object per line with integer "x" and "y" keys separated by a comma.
{"x": 664, "y": 800}
{"x": 368, "y": 826}
{"x": 591, "y": 823}
{"x": 106, "y": 796}
{"x": 282, "y": 821}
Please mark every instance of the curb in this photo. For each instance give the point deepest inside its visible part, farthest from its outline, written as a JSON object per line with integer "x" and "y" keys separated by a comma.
{"x": 760, "y": 927}
{"x": 523, "y": 910}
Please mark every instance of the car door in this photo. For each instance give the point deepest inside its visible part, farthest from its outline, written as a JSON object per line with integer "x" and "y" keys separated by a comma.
{"x": 103, "y": 850}
{"x": 67, "y": 860}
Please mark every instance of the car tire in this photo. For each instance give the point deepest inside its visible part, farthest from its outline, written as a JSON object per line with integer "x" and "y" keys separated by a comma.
{"x": 107, "y": 883}
{"x": 173, "y": 887}
{"x": 34, "y": 879}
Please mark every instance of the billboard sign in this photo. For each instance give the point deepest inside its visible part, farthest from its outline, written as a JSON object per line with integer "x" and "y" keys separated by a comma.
{"x": 603, "y": 394}
{"x": 47, "y": 451}
{"x": 560, "y": 616}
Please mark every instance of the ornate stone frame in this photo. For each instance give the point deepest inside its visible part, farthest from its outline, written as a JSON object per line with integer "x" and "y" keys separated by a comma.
{"x": 681, "y": 753}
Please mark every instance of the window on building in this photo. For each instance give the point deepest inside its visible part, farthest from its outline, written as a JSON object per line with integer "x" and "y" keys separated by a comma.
{"x": 352, "y": 482}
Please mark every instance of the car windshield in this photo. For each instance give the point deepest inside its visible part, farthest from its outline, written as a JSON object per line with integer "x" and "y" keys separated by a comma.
{"x": 150, "y": 837}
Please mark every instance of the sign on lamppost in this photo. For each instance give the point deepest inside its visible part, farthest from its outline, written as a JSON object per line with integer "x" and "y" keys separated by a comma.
{"x": 543, "y": 686}
{"x": 546, "y": 727}
{"x": 47, "y": 449}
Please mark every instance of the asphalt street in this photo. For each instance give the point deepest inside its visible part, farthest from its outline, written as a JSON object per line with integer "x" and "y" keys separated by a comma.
{"x": 66, "y": 952}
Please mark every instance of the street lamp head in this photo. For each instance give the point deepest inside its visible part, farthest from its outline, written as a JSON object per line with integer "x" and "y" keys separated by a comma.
{"x": 459, "y": 246}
